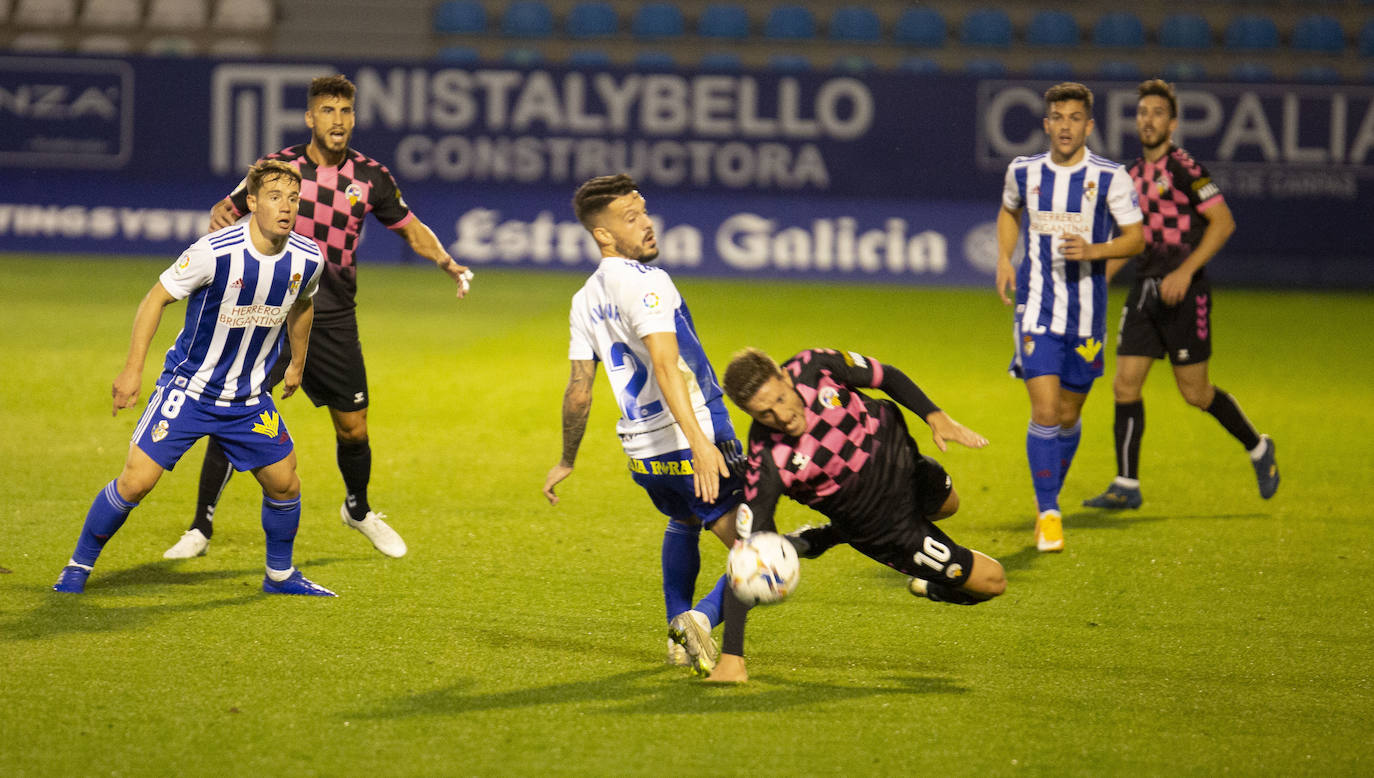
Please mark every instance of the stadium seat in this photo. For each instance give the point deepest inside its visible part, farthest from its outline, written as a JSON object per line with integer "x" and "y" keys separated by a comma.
{"x": 1319, "y": 33}
{"x": 109, "y": 15}
{"x": 1185, "y": 31}
{"x": 37, "y": 42}
{"x": 658, "y": 21}
{"x": 920, "y": 26}
{"x": 526, "y": 19}
{"x": 724, "y": 20}
{"x": 1052, "y": 28}
{"x": 522, "y": 56}
{"x": 1367, "y": 39}
{"x": 1119, "y": 70}
{"x": 790, "y": 22}
{"x": 654, "y": 61}
{"x": 985, "y": 68}
{"x": 1251, "y": 32}
{"x": 1051, "y": 70}
{"x": 789, "y": 63}
{"x": 176, "y": 15}
{"x": 458, "y": 55}
{"x": 855, "y": 24}
{"x": 105, "y": 43}
{"x": 592, "y": 20}
{"x": 172, "y": 46}
{"x": 1319, "y": 74}
{"x": 44, "y": 13}
{"x": 1184, "y": 71}
{"x": 1251, "y": 73}
{"x": 852, "y": 63}
{"x": 589, "y": 58}
{"x": 460, "y": 17}
{"x": 237, "y": 47}
{"x": 245, "y": 15}
{"x": 923, "y": 66}
{"x": 1119, "y": 29}
{"x": 986, "y": 27}
{"x": 721, "y": 60}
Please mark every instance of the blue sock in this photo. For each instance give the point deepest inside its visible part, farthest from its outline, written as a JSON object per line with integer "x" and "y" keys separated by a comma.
{"x": 103, "y": 520}
{"x": 681, "y": 563}
{"x": 1068, "y": 446}
{"x": 279, "y": 521}
{"x": 711, "y": 603}
{"x": 1042, "y": 451}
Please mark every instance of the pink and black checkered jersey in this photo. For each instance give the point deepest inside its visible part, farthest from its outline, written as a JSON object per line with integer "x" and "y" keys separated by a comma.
{"x": 1174, "y": 191}
{"x": 334, "y": 203}
{"x": 850, "y": 458}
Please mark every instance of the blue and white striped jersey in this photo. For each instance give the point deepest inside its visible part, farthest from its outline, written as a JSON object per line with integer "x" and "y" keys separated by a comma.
{"x": 237, "y": 302}
{"x": 1091, "y": 199}
{"x": 622, "y": 302}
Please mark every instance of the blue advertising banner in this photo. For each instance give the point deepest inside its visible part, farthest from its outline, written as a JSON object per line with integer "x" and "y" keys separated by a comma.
{"x": 884, "y": 176}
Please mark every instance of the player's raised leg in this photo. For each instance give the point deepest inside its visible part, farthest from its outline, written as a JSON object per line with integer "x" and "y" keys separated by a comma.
{"x": 106, "y": 515}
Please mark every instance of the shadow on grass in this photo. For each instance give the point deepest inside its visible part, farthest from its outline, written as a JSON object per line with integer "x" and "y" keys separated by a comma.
{"x": 97, "y": 610}
{"x": 653, "y": 691}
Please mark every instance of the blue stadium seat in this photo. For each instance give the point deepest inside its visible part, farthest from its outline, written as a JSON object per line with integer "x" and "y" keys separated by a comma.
{"x": 523, "y": 56}
{"x": 789, "y": 63}
{"x": 589, "y": 58}
{"x": 919, "y": 65}
{"x": 1119, "y": 70}
{"x": 855, "y": 24}
{"x": 1119, "y": 29}
{"x": 724, "y": 20}
{"x": 595, "y": 19}
{"x": 458, "y": 55}
{"x": 790, "y": 22}
{"x": 1052, "y": 28}
{"x": 1367, "y": 39}
{"x": 1051, "y": 70}
{"x": 721, "y": 60}
{"x": 463, "y": 17}
{"x": 1319, "y": 33}
{"x": 527, "y": 19}
{"x": 920, "y": 26}
{"x": 1319, "y": 74}
{"x": 985, "y": 68}
{"x": 1184, "y": 71}
{"x": 654, "y": 60}
{"x": 1252, "y": 32}
{"x": 1185, "y": 31}
{"x": 658, "y": 21}
{"x": 853, "y": 63}
{"x": 1251, "y": 73}
{"x": 986, "y": 27}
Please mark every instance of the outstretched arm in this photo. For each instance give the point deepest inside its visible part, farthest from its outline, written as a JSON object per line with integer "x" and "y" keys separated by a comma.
{"x": 577, "y": 406}
{"x": 424, "y": 242}
{"x": 901, "y": 388}
{"x": 146, "y": 320}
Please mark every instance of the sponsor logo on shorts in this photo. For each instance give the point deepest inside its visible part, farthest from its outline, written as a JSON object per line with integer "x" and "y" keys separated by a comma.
{"x": 160, "y": 430}
{"x": 269, "y": 424}
{"x": 1028, "y": 344}
{"x": 1089, "y": 349}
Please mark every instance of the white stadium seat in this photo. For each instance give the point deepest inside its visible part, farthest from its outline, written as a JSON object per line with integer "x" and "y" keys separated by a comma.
{"x": 172, "y": 46}
{"x": 105, "y": 43}
{"x": 176, "y": 14}
{"x": 38, "y": 42}
{"x": 112, "y": 14}
{"x": 243, "y": 15}
{"x": 44, "y": 13}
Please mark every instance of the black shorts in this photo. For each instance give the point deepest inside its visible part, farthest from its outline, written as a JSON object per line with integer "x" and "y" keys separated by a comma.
{"x": 912, "y": 543}
{"x": 334, "y": 371}
{"x": 1149, "y": 328}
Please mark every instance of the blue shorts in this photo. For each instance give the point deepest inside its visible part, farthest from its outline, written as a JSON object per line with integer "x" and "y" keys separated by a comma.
{"x": 1077, "y": 361}
{"x": 252, "y": 436}
{"x": 668, "y": 480}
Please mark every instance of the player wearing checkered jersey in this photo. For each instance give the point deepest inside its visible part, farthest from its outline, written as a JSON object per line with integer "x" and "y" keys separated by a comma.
{"x": 242, "y": 285}
{"x": 673, "y": 423}
{"x": 340, "y": 187}
{"x": 1168, "y": 310}
{"x": 817, "y": 438}
{"x": 1065, "y": 204}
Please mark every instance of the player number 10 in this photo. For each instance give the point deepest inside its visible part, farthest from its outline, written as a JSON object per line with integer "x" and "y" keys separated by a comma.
{"x": 934, "y": 555}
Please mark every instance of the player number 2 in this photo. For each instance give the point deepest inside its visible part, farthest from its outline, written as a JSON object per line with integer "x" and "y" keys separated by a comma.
{"x": 934, "y": 555}
{"x": 622, "y": 358}
{"x": 172, "y": 405}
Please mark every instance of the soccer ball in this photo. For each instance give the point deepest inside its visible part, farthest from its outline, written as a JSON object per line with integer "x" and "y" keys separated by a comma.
{"x": 763, "y": 569}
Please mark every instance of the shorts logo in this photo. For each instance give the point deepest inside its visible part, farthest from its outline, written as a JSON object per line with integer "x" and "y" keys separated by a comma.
{"x": 180, "y": 381}
{"x": 651, "y": 301}
{"x": 160, "y": 431}
{"x": 295, "y": 283}
{"x": 1089, "y": 349}
{"x": 830, "y": 397}
{"x": 359, "y": 398}
{"x": 354, "y": 193}
{"x": 1028, "y": 344}
{"x": 1182, "y": 354}
{"x": 269, "y": 424}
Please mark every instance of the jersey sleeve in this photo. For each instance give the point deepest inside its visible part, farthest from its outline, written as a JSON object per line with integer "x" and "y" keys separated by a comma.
{"x": 649, "y": 301}
{"x": 387, "y": 204}
{"x": 1012, "y": 198}
{"x": 579, "y": 340}
{"x": 192, "y": 270}
{"x": 1123, "y": 200}
{"x": 762, "y": 483}
{"x": 1203, "y": 192}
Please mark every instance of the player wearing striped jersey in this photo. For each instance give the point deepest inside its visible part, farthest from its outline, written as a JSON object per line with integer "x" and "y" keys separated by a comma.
{"x": 340, "y": 187}
{"x": 817, "y": 438}
{"x": 1066, "y": 203}
{"x": 242, "y": 284}
{"x": 673, "y": 423}
{"x": 1168, "y": 310}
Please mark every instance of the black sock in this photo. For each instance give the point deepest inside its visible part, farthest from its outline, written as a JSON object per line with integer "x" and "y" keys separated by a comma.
{"x": 945, "y": 593}
{"x": 733, "y": 615}
{"x": 1226, "y": 411}
{"x": 214, "y": 476}
{"x": 1130, "y": 428}
{"x": 355, "y": 465}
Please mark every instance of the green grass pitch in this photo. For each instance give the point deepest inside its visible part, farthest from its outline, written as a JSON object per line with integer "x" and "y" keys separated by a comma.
{"x": 1208, "y": 632}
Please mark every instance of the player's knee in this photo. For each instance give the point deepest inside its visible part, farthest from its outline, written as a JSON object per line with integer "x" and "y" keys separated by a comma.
{"x": 1197, "y": 396}
{"x": 133, "y": 487}
{"x": 286, "y": 489}
{"x": 1124, "y": 391}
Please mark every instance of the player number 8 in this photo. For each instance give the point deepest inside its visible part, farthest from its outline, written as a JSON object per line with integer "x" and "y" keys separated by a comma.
{"x": 172, "y": 406}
